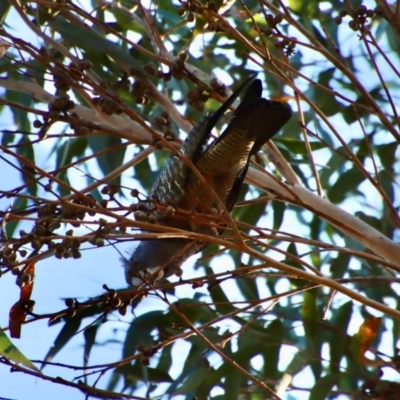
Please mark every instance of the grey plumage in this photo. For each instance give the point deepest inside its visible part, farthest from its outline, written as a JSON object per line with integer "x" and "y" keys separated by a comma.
{"x": 222, "y": 165}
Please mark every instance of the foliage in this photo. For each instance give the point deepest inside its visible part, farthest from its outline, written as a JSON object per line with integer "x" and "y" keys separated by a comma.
{"x": 100, "y": 94}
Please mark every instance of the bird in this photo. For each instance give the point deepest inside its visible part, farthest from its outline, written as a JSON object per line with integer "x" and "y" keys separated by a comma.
{"x": 204, "y": 178}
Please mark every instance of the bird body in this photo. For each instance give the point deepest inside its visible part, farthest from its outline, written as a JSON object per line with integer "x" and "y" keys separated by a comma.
{"x": 205, "y": 178}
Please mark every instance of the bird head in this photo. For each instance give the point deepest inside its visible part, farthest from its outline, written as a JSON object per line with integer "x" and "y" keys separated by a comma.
{"x": 155, "y": 259}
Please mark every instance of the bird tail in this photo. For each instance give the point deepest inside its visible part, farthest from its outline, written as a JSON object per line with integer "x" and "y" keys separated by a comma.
{"x": 260, "y": 117}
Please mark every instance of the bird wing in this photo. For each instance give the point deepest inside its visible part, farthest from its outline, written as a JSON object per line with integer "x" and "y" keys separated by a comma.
{"x": 169, "y": 187}
{"x": 223, "y": 165}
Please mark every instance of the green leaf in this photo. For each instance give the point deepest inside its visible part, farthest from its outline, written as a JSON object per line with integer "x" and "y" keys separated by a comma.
{"x": 316, "y": 227}
{"x": 25, "y": 149}
{"x": 339, "y": 339}
{"x": 323, "y": 387}
{"x": 67, "y": 332}
{"x": 65, "y": 152}
{"x": 387, "y": 184}
{"x": 21, "y": 119}
{"x": 300, "y": 360}
{"x": 139, "y": 332}
{"x": 221, "y": 301}
{"x": 310, "y": 315}
{"x": 304, "y": 7}
{"x": 279, "y": 208}
{"x": 391, "y": 35}
{"x": 165, "y": 359}
{"x": 292, "y": 249}
{"x": 4, "y": 8}
{"x": 143, "y": 373}
{"x": 340, "y": 265}
{"x": 396, "y": 325}
{"x": 19, "y": 205}
{"x": 10, "y": 351}
{"x": 84, "y": 37}
{"x": 251, "y": 213}
{"x": 347, "y": 182}
{"x": 298, "y": 147}
{"x": 354, "y": 112}
{"x": 113, "y": 159}
{"x": 195, "y": 310}
{"x": 194, "y": 380}
{"x": 90, "y": 339}
{"x": 324, "y": 98}
{"x": 233, "y": 384}
{"x": 370, "y": 220}
{"x": 248, "y": 288}
{"x": 273, "y": 343}
{"x": 194, "y": 361}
